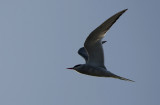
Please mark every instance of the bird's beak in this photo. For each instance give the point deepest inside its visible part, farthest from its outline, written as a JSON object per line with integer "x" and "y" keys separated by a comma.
{"x": 70, "y": 68}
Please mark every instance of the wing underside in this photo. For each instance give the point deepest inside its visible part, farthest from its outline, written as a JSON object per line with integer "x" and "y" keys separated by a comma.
{"x": 93, "y": 44}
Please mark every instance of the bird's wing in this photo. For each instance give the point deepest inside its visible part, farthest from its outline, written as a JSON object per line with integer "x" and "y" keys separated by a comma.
{"x": 82, "y": 52}
{"x": 93, "y": 43}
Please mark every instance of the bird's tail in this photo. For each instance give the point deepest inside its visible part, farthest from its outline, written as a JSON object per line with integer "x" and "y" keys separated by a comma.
{"x": 121, "y": 78}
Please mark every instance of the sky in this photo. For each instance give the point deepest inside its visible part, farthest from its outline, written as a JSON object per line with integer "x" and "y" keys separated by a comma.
{"x": 39, "y": 39}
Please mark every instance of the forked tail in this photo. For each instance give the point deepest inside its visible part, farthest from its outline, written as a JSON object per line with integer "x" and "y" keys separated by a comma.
{"x": 121, "y": 78}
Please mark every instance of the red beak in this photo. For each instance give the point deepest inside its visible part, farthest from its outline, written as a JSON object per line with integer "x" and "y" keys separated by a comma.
{"x": 69, "y": 68}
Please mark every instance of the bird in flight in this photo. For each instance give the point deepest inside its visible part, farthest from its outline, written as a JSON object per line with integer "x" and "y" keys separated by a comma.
{"x": 93, "y": 53}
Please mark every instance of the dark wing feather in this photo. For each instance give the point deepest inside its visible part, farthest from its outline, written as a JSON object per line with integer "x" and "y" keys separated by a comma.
{"x": 82, "y": 52}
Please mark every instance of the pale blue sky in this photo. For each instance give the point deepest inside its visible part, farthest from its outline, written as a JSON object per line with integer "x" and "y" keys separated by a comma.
{"x": 39, "y": 39}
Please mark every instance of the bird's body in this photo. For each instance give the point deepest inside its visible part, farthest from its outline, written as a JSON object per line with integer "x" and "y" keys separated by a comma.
{"x": 91, "y": 70}
{"x": 93, "y": 54}
{"x": 97, "y": 71}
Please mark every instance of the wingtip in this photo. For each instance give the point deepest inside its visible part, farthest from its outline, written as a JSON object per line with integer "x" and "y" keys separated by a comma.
{"x": 130, "y": 80}
{"x": 104, "y": 42}
{"x": 124, "y": 10}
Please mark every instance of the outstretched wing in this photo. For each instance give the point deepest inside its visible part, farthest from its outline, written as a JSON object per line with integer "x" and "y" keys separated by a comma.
{"x": 93, "y": 43}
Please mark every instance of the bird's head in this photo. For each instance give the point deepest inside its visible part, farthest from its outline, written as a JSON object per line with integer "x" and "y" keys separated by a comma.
{"x": 76, "y": 67}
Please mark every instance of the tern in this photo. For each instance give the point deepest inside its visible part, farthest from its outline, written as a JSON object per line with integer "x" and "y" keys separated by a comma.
{"x": 93, "y": 53}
